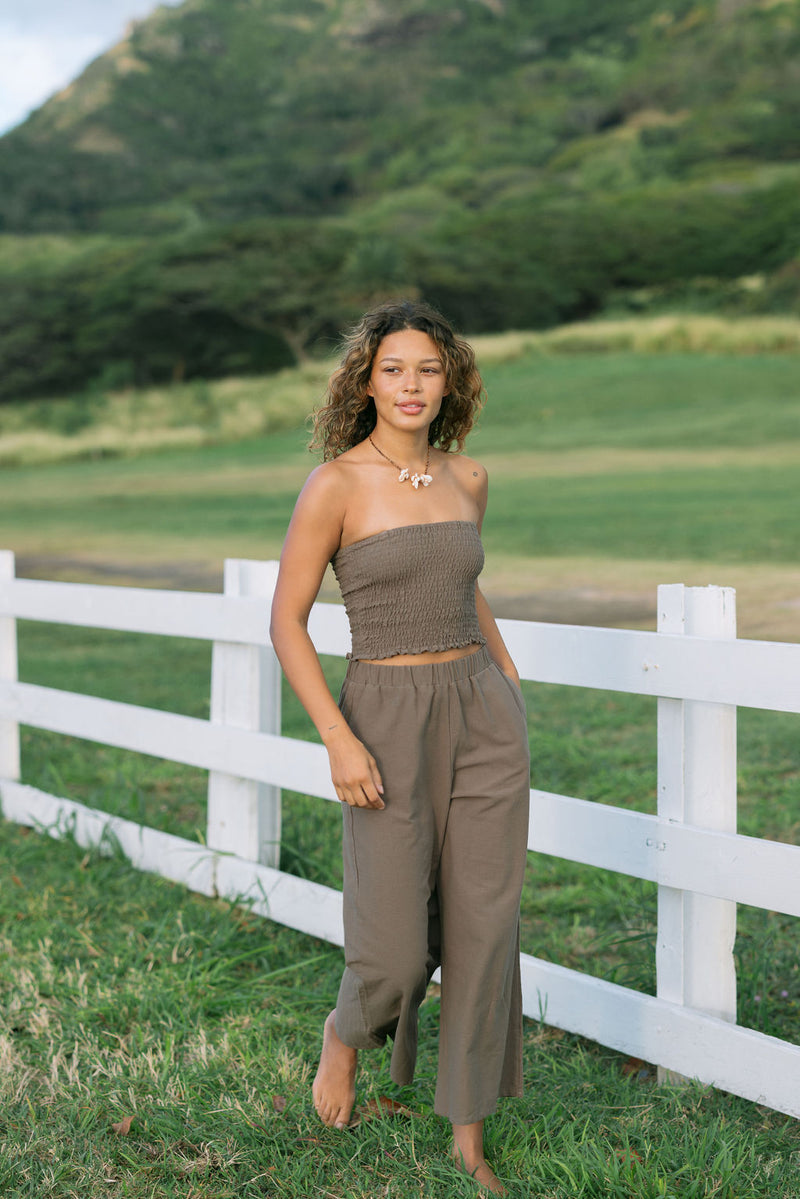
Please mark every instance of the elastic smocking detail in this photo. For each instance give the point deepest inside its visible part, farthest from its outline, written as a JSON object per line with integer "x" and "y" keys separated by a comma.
{"x": 411, "y": 589}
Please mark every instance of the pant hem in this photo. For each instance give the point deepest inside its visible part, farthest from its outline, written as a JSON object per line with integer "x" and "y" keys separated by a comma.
{"x": 368, "y": 1041}
{"x": 481, "y": 1113}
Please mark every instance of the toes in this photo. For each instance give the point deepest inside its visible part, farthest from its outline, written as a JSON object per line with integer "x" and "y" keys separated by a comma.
{"x": 341, "y": 1118}
{"x": 326, "y": 1114}
{"x": 330, "y": 1115}
{"x": 323, "y": 1110}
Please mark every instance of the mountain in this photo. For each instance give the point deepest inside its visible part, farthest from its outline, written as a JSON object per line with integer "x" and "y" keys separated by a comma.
{"x": 235, "y": 180}
{"x": 224, "y": 110}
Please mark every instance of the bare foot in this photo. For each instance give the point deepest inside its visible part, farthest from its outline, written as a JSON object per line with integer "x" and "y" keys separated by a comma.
{"x": 468, "y": 1156}
{"x": 482, "y": 1174}
{"x": 334, "y": 1088}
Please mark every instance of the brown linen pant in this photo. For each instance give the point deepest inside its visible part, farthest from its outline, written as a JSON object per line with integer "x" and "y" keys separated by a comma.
{"x": 435, "y": 877}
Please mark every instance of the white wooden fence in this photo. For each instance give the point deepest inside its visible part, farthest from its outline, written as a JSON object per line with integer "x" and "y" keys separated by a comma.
{"x": 695, "y": 666}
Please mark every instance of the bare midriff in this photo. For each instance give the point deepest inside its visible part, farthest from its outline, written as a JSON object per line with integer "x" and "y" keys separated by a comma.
{"x": 443, "y": 655}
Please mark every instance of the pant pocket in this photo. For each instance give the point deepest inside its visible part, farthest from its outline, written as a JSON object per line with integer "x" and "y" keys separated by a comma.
{"x": 516, "y": 692}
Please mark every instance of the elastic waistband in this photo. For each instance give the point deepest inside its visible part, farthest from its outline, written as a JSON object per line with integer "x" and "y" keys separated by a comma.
{"x": 426, "y": 674}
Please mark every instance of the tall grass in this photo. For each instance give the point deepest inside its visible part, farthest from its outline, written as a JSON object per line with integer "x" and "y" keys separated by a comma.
{"x": 98, "y": 423}
{"x": 102, "y": 422}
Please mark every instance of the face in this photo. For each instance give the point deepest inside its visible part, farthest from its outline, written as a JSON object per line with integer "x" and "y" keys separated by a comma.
{"x": 408, "y": 381}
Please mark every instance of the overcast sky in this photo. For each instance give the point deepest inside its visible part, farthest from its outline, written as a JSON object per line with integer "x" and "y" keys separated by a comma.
{"x": 46, "y": 43}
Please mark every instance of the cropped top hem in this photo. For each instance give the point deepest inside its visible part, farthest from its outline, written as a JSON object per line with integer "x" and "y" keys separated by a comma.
{"x": 428, "y": 649}
{"x": 411, "y": 589}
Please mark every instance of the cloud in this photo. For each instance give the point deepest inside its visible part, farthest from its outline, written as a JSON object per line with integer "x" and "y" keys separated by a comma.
{"x": 45, "y": 44}
{"x": 34, "y": 67}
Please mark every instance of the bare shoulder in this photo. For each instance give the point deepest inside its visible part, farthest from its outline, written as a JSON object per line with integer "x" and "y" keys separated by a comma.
{"x": 326, "y": 486}
{"x": 469, "y": 473}
{"x": 323, "y": 503}
{"x": 319, "y": 510}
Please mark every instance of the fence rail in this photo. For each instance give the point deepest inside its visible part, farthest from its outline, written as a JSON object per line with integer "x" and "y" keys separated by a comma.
{"x": 695, "y": 666}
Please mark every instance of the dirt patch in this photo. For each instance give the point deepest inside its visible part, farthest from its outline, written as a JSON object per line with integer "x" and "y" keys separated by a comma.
{"x": 577, "y": 605}
{"x": 597, "y": 592}
{"x": 563, "y": 605}
{"x": 170, "y": 576}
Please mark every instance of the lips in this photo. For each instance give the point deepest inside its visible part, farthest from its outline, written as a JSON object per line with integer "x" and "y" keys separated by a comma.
{"x": 411, "y": 408}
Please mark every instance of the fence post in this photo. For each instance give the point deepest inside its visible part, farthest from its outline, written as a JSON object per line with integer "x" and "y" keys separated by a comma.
{"x": 244, "y": 817}
{"x": 696, "y": 785}
{"x": 9, "y": 729}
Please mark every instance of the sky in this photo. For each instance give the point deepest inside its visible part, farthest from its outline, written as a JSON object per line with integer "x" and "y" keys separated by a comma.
{"x": 45, "y": 43}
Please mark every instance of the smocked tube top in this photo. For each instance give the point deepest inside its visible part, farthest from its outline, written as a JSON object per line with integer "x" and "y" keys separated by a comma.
{"x": 411, "y": 589}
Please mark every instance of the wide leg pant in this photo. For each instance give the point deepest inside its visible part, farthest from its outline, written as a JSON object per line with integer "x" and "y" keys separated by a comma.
{"x": 435, "y": 877}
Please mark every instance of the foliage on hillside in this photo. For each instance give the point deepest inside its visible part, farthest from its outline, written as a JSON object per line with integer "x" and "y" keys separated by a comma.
{"x": 228, "y": 109}
{"x": 252, "y": 172}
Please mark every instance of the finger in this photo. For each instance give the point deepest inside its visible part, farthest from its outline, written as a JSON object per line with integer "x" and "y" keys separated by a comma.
{"x": 360, "y": 798}
{"x": 377, "y": 781}
{"x": 371, "y": 797}
{"x": 365, "y": 796}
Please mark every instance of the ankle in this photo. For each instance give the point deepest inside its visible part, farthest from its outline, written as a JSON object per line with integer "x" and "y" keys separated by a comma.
{"x": 336, "y": 1043}
{"x": 468, "y": 1158}
{"x": 468, "y": 1141}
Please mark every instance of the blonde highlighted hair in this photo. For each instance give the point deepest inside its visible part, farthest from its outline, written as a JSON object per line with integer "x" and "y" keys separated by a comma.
{"x": 348, "y": 414}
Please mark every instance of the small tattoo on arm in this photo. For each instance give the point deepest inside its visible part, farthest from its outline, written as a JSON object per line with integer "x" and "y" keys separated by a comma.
{"x": 333, "y": 726}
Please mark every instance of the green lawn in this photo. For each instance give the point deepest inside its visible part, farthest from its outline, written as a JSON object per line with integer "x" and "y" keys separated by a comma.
{"x": 645, "y": 401}
{"x": 236, "y": 499}
{"x": 125, "y": 996}
{"x": 729, "y": 513}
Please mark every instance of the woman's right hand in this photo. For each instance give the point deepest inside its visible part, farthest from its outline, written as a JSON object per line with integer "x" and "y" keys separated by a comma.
{"x": 354, "y": 771}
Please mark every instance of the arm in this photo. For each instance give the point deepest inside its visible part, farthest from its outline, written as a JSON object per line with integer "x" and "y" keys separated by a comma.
{"x": 312, "y": 538}
{"x": 494, "y": 642}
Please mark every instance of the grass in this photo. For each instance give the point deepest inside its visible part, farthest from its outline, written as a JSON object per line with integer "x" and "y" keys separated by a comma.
{"x": 626, "y": 457}
{"x": 98, "y": 423}
{"x": 126, "y": 997}
{"x": 676, "y": 399}
{"x": 102, "y": 422}
{"x": 729, "y": 514}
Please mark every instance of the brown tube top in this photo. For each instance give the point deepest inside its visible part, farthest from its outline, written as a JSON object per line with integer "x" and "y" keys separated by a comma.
{"x": 412, "y": 589}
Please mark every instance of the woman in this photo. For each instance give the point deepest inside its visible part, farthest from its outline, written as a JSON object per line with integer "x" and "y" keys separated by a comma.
{"x": 428, "y": 745}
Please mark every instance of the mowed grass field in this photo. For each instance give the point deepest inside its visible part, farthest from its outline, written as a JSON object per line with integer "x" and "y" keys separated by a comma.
{"x": 125, "y": 996}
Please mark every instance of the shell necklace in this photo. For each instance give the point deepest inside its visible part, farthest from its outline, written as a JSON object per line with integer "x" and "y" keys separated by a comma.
{"x": 425, "y": 479}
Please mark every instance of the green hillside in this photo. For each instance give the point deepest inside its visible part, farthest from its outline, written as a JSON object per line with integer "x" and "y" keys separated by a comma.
{"x": 245, "y": 175}
{"x": 228, "y": 109}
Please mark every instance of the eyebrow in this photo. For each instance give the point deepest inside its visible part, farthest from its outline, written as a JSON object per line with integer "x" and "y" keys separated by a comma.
{"x": 394, "y": 358}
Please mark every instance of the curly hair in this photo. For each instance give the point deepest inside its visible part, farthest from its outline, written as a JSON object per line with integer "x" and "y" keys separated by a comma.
{"x": 348, "y": 414}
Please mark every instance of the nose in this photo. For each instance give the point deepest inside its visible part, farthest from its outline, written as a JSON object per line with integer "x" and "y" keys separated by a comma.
{"x": 410, "y": 383}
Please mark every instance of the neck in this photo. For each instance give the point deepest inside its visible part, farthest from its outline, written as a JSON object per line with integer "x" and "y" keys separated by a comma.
{"x": 407, "y": 448}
